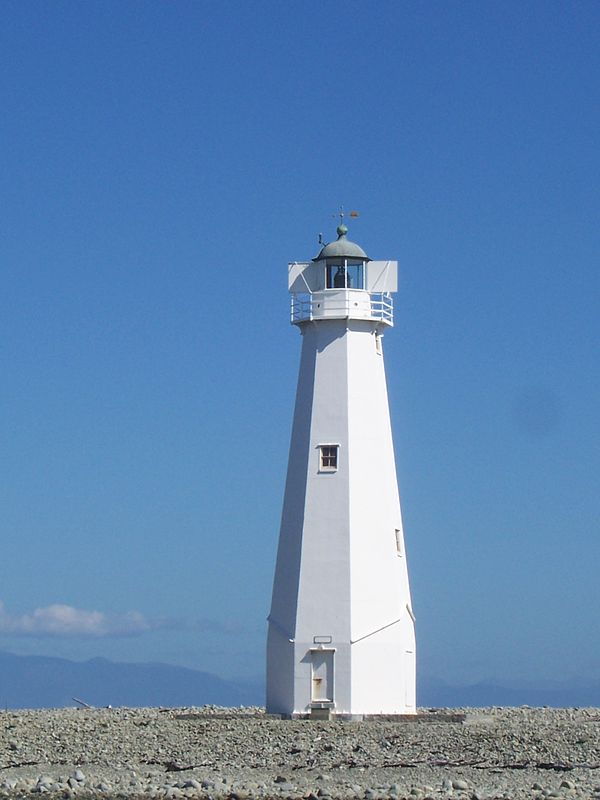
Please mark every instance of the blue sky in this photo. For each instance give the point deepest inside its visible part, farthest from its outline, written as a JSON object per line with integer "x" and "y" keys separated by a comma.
{"x": 161, "y": 162}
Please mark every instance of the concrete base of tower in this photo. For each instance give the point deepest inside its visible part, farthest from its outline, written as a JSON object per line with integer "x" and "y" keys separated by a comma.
{"x": 433, "y": 716}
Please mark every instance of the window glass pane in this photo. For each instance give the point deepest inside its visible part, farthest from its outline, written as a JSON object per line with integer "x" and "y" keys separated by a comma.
{"x": 329, "y": 457}
{"x": 339, "y": 279}
{"x": 335, "y": 273}
{"x": 356, "y": 276}
{"x": 399, "y": 542}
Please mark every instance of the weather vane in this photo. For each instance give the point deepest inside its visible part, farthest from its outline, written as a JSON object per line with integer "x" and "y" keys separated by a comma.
{"x": 341, "y": 214}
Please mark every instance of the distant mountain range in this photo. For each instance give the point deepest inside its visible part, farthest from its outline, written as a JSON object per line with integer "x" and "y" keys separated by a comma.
{"x": 576, "y": 693}
{"x": 43, "y": 682}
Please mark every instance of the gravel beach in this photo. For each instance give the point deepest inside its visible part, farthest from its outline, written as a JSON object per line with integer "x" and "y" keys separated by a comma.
{"x": 243, "y": 753}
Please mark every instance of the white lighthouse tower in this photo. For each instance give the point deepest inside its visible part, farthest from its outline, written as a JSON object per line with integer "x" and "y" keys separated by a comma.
{"x": 341, "y": 638}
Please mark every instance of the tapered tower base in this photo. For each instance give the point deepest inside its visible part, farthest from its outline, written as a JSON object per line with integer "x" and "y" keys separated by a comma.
{"x": 341, "y": 638}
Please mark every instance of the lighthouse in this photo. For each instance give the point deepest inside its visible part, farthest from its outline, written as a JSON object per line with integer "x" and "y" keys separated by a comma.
{"x": 341, "y": 638}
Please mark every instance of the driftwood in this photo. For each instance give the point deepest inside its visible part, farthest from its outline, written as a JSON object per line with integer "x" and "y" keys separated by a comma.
{"x": 82, "y": 703}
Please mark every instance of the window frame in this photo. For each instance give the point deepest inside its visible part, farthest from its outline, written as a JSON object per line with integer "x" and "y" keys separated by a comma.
{"x": 335, "y": 456}
{"x": 399, "y": 536}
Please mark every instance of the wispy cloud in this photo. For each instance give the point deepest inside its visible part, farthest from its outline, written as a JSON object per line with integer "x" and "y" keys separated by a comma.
{"x": 63, "y": 620}
{"x": 60, "y": 619}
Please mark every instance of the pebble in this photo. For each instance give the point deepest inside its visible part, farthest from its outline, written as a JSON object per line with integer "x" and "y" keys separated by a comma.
{"x": 192, "y": 784}
{"x": 241, "y": 754}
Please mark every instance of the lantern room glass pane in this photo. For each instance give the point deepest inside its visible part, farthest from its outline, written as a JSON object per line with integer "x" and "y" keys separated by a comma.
{"x": 336, "y": 275}
{"x": 342, "y": 274}
{"x": 355, "y": 275}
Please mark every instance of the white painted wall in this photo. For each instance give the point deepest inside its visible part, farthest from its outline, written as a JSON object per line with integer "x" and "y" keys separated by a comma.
{"x": 338, "y": 571}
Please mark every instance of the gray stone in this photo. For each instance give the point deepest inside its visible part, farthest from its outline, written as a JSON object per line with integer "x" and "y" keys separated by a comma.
{"x": 44, "y": 782}
{"x": 459, "y": 783}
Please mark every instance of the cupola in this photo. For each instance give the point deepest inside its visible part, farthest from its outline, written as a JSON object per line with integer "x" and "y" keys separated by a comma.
{"x": 342, "y": 248}
{"x": 344, "y": 262}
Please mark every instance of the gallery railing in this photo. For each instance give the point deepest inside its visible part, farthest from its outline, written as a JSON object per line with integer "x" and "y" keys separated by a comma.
{"x": 357, "y": 305}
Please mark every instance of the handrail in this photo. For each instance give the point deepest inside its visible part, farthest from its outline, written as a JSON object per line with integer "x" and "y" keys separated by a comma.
{"x": 305, "y": 307}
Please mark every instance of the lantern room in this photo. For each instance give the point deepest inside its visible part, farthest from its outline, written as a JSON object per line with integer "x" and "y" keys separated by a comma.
{"x": 342, "y": 282}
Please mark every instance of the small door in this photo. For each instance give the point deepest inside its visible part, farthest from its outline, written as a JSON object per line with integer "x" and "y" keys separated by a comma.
{"x": 322, "y": 676}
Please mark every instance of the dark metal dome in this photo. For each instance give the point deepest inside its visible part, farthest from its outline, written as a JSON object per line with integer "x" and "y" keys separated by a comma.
{"x": 342, "y": 248}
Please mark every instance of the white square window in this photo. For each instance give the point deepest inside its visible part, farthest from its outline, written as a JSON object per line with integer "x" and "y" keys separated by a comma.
{"x": 328, "y": 457}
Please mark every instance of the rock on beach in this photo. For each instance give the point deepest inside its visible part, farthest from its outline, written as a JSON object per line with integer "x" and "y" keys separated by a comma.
{"x": 243, "y": 753}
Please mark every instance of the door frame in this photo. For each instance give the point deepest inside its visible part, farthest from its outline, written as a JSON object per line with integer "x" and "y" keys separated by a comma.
{"x": 328, "y": 701}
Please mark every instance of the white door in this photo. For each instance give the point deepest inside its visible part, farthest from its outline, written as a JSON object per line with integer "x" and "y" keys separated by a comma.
{"x": 322, "y": 676}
